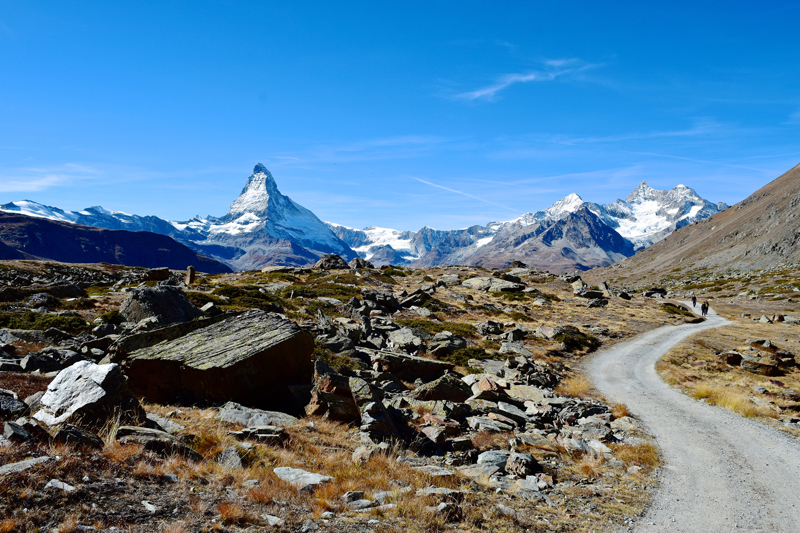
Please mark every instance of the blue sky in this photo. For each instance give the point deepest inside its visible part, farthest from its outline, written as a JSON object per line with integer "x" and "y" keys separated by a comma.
{"x": 405, "y": 114}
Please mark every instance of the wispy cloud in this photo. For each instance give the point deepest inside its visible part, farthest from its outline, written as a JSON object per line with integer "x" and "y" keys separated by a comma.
{"x": 794, "y": 118}
{"x": 704, "y": 161}
{"x": 465, "y": 194}
{"x": 553, "y": 68}
{"x": 35, "y": 179}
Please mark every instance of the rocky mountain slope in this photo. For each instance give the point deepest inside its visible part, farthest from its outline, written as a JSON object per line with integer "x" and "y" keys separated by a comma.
{"x": 25, "y": 237}
{"x": 760, "y": 232}
{"x": 644, "y": 217}
{"x": 263, "y": 227}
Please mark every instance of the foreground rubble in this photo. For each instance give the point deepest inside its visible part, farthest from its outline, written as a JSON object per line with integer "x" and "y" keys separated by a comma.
{"x": 302, "y": 399}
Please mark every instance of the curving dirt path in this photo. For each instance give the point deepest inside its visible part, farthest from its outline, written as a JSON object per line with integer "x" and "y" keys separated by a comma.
{"x": 722, "y": 472}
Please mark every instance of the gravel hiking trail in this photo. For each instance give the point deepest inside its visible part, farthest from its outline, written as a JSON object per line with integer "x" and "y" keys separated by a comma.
{"x": 721, "y": 472}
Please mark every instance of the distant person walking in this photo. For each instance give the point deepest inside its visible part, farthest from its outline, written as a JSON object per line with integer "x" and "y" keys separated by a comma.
{"x": 694, "y": 300}
{"x": 704, "y": 308}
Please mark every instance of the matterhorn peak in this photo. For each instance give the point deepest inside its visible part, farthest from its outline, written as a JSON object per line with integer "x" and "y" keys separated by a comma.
{"x": 257, "y": 191}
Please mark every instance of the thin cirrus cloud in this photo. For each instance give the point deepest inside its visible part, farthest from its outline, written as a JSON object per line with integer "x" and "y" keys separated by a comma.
{"x": 554, "y": 68}
{"x": 484, "y": 200}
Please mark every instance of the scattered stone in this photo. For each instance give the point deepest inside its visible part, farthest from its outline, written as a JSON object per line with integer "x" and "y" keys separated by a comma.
{"x": 409, "y": 368}
{"x": 447, "y": 387}
{"x": 167, "y": 304}
{"x": 55, "y": 484}
{"x": 10, "y": 406}
{"x": 15, "y": 433}
{"x": 521, "y": 464}
{"x": 234, "y": 413}
{"x": 302, "y": 480}
{"x": 492, "y": 284}
{"x": 273, "y": 520}
{"x": 21, "y": 466}
{"x": 514, "y": 347}
{"x": 158, "y": 442}
{"x": 270, "y": 435}
{"x": 229, "y": 458}
{"x": 434, "y": 471}
{"x": 173, "y": 428}
{"x": 89, "y": 394}
{"x": 211, "y": 309}
{"x": 331, "y": 262}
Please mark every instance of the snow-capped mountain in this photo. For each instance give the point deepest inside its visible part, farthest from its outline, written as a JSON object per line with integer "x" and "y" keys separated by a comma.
{"x": 263, "y": 227}
{"x": 646, "y": 216}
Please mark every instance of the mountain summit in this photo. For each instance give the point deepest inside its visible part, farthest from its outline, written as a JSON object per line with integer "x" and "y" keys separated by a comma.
{"x": 263, "y": 227}
{"x": 259, "y": 192}
{"x": 591, "y": 233}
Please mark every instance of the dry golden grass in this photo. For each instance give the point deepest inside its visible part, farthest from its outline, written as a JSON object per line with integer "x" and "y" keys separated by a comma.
{"x": 695, "y": 366}
{"x": 619, "y": 410}
{"x": 644, "y": 455}
{"x": 231, "y": 512}
{"x": 732, "y": 400}
{"x": 575, "y": 385}
{"x": 197, "y": 505}
{"x": 488, "y": 440}
{"x": 174, "y": 527}
{"x": 270, "y": 489}
{"x": 8, "y": 525}
{"x": 120, "y": 453}
{"x": 68, "y": 525}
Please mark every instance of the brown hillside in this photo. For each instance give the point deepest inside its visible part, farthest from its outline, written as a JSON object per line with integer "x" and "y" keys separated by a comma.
{"x": 759, "y": 232}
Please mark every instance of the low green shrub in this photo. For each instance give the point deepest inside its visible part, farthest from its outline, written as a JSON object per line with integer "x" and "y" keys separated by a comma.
{"x": 574, "y": 339}
{"x": 675, "y": 310}
{"x": 112, "y": 317}
{"x": 31, "y": 320}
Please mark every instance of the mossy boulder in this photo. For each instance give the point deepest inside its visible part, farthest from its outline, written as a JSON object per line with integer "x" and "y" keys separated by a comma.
{"x": 252, "y": 359}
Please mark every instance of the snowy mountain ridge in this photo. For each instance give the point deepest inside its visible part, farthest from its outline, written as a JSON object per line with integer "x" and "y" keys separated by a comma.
{"x": 646, "y": 216}
{"x": 264, "y": 227}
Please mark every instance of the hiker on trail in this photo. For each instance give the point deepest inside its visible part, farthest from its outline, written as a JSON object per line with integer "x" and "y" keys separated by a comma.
{"x": 704, "y": 308}
{"x": 694, "y": 300}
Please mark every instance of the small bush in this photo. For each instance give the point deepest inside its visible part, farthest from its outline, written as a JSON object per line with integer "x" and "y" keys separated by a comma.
{"x": 112, "y": 317}
{"x": 249, "y": 297}
{"x": 339, "y": 363}
{"x": 461, "y": 357}
{"x": 675, "y": 310}
{"x": 577, "y": 386}
{"x": 201, "y": 298}
{"x": 644, "y": 455}
{"x": 31, "y": 320}
{"x": 574, "y": 339}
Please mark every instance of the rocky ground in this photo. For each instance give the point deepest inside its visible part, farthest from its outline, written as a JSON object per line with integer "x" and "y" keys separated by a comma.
{"x": 341, "y": 398}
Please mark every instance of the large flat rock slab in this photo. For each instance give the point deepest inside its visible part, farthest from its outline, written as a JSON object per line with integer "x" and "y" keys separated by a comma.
{"x": 250, "y": 359}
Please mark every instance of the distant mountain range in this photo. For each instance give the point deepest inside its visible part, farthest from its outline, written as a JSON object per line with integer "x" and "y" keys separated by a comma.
{"x": 760, "y": 232}
{"x": 264, "y": 227}
{"x": 27, "y": 237}
{"x": 571, "y": 234}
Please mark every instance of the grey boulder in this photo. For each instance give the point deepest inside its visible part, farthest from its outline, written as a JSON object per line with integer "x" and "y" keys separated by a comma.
{"x": 167, "y": 304}
{"x": 89, "y": 394}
